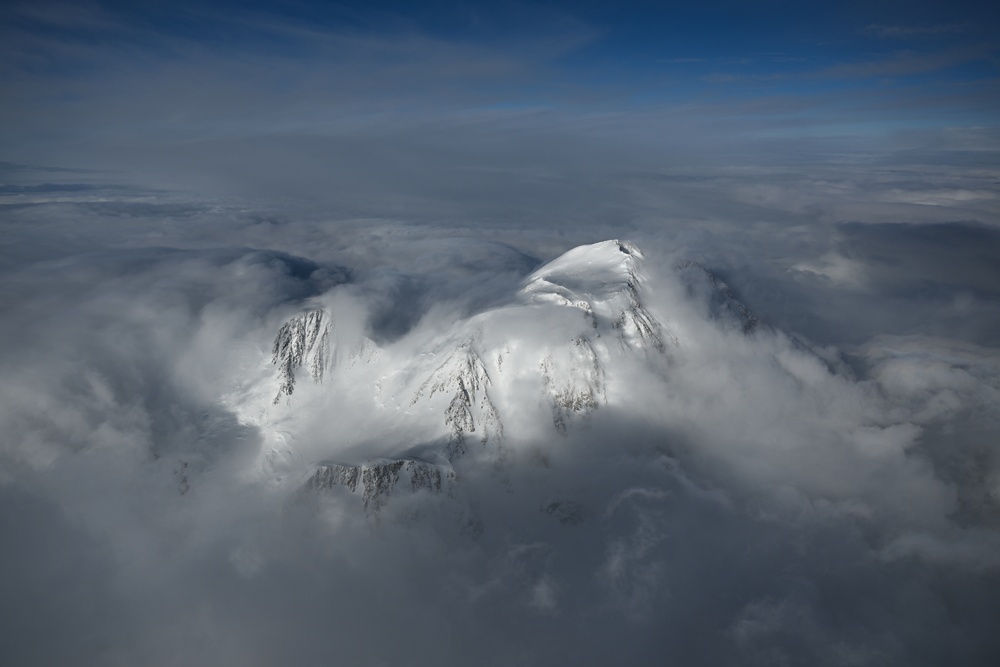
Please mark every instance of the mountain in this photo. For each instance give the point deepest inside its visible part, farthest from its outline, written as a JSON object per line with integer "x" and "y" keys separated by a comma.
{"x": 703, "y": 285}
{"x": 379, "y": 478}
{"x": 530, "y": 370}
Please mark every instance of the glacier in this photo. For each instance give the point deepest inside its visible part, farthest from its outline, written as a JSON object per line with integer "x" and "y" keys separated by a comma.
{"x": 535, "y": 367}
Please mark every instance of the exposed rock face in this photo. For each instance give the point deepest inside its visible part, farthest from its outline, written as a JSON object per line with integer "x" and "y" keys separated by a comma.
{"x": 329, "y": 476}
{"x": 378, "y": 479}
{"x": 464, "y": 377}
{"x": 722, "y": 302}
{"x": 573, "y": 378}
{"x": 636, "y": 326}
{"x": 305, "y": 337}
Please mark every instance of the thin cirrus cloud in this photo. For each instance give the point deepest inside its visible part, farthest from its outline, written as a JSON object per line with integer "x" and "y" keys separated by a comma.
{"x": 197, "y": 72}
{"x": 908, "y": 31}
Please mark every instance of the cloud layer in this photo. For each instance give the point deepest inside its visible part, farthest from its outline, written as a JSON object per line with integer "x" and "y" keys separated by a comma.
{"x": 823, "y": 489}
{"x": 807, "y": 473}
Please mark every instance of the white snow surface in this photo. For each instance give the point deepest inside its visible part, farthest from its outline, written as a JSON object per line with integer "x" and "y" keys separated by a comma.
{"x": 533, "y": 369}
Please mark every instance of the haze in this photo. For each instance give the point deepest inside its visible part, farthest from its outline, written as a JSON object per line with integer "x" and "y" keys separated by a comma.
{"x": 807, "y": 473}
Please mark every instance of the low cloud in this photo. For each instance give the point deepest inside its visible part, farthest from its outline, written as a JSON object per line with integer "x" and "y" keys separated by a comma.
{"x": 785, "y": 453}
{"x": 819, "y": 487}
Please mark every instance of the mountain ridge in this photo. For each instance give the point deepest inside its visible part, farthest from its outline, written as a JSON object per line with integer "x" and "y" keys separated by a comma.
{"x": 554, "y": 347}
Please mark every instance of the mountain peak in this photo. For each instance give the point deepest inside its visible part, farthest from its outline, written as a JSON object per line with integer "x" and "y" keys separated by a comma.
{"x": 603, "y": 280}
{"x": 557, "y": 347}
{"x": 597, "y": 271}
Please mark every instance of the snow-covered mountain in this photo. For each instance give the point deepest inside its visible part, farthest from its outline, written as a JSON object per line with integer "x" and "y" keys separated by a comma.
{"x": 401, "y": 416}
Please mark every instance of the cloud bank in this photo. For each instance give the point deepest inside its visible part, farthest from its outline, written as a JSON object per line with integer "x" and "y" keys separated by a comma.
{"x": 771, "y": 441}
{"x": 820, "y": 486}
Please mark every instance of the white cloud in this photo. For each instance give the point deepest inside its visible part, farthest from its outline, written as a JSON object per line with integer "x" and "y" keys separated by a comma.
{"x": 841, "y": 270}
{"x": 787, "y": 501}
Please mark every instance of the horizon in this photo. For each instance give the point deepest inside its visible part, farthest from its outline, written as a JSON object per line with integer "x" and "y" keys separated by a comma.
{"x": 314, "y": 351}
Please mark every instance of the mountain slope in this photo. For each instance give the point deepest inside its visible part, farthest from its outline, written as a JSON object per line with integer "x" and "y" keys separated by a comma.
{"x": 486, "y": 380}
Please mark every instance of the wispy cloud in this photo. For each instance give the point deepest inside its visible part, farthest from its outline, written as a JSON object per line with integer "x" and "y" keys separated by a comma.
{"x": 909, "y": 31}
{"x": 908, "y": 63}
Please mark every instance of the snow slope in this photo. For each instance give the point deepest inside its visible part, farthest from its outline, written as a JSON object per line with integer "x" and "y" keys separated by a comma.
{"x": 530, "y": 370}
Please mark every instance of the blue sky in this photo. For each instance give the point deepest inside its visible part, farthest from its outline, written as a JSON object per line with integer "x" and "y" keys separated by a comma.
{"x": 96, "y": 85}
